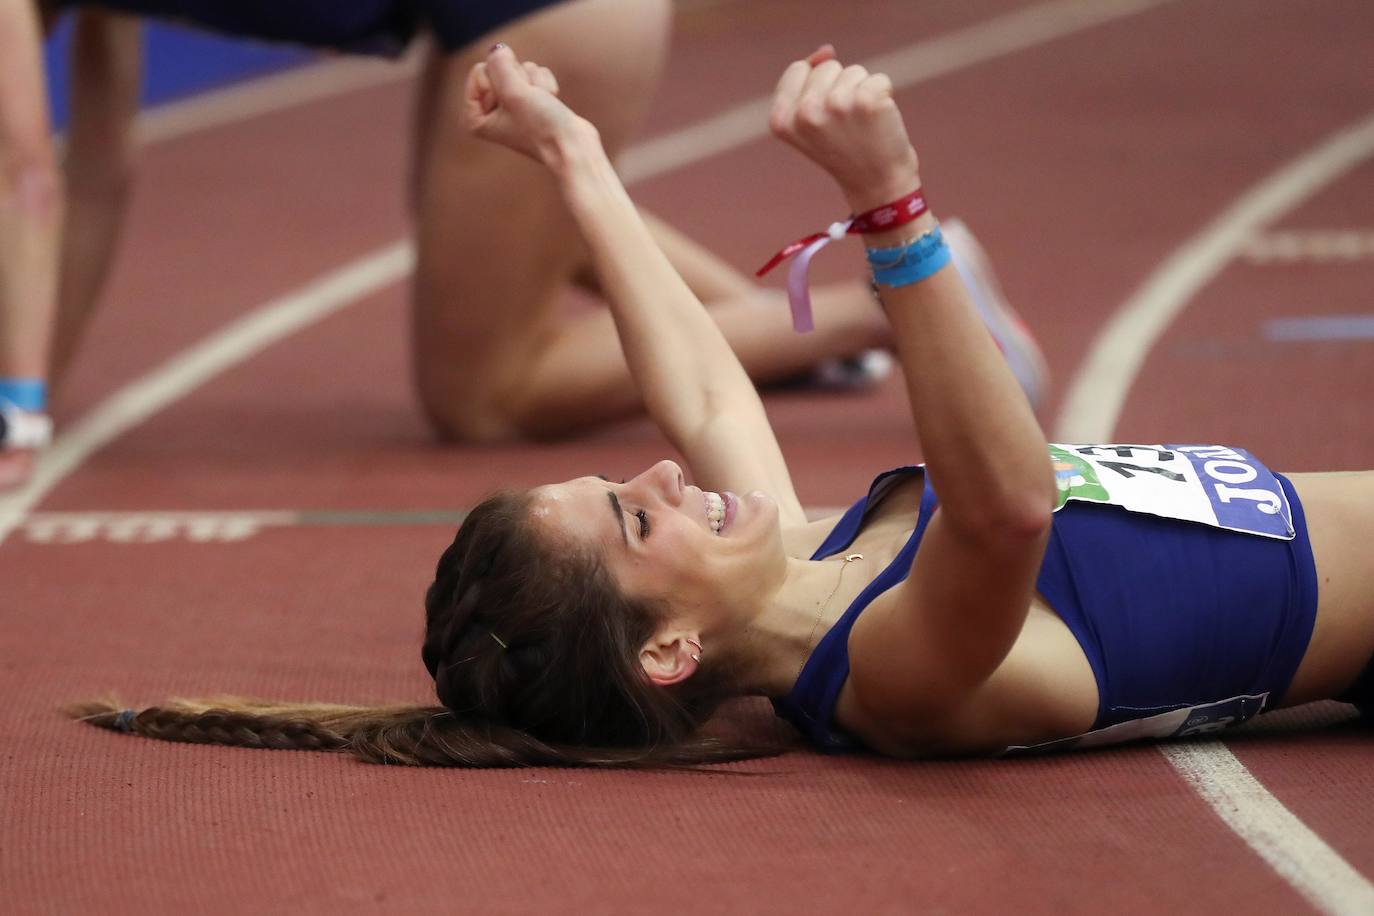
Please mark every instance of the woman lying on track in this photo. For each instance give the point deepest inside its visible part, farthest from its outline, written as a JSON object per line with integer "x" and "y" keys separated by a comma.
{"x": 1060, "y": 594}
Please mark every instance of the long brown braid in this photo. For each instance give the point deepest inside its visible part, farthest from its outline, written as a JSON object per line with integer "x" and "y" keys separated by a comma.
{"x": 534, "y": 652}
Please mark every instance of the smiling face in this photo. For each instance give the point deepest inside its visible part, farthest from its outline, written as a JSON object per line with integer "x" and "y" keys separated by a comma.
{"x": 711, "y": 558}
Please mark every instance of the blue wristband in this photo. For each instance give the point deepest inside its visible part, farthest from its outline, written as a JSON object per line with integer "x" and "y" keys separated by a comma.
{"x": 909, "y": 263}
{"x": 29, "y": 394}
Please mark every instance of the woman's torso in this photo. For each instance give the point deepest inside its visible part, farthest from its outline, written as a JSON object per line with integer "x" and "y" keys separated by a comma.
{"x": 1046, "y": 689}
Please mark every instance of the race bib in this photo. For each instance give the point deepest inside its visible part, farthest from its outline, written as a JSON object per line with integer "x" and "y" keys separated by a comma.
{"x": 1188, "y": 722}
{"x": 1210, "y": 484}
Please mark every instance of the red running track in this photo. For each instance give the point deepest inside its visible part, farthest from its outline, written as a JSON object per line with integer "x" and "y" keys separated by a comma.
{"x": 1083, "y": 163}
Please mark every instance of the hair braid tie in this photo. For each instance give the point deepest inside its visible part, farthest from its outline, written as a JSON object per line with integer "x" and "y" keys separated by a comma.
{"x": 124, "y": 721}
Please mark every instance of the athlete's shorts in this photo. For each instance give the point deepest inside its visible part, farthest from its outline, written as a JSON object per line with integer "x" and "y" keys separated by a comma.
{"x": 382, "y": 27}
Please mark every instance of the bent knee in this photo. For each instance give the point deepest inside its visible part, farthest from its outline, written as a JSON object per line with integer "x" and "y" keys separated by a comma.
{"x": 519, "y": 416}
{"x": 467, "y": 419}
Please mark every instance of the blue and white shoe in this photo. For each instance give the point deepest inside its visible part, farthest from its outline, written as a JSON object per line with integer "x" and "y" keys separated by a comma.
{"x": 1013, "y": 337}
{"x": 23, "y": 429}
{"x": 853, "y": 373}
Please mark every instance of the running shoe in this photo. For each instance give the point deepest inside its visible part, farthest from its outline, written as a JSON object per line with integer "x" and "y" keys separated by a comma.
{"x": 1013, "y": 338}
{"x": 23, "y": 429}
{"x": 852, "y": 373}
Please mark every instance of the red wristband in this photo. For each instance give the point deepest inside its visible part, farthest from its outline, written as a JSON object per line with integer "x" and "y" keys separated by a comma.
{"x": 888, "y": 216}
{"x": 879, "y": 219}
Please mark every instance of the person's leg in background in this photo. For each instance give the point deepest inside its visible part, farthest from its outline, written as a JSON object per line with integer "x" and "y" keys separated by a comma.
{"x": 31, "y": 207}
{"x": 495, "y": 356}
{"x": 100, "y": 163}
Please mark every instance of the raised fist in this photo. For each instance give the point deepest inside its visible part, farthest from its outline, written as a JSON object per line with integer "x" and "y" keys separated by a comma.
{"x": 515, "y": 104}
{"x": 846, "y": 121}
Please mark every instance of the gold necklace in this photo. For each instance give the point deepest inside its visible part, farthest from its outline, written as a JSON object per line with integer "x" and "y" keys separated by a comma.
{"x": 806, "y": 650}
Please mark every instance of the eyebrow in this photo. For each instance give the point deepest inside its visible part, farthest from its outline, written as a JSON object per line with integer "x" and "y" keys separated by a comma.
{"x": 619, "y": 515}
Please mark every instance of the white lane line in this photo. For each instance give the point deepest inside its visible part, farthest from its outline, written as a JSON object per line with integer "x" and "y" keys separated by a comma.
{"x": 1300, "y": 857}
{"x": 1327, "y": 327}
{"x": 915, "y": 63}
{"x": 236, "y": 342}
{"x": 1310, "y": 246}
{"x": 1090, "y": 414}
{"x": 1099, "y": 390}
{"x": 147, "y": 395}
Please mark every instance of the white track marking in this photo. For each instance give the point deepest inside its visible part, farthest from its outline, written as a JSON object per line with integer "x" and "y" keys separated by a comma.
{"x": 1310, "y": 246}
{"x": 147, "y": 395}
{"x": 1090, "y": 414}
{"x": 1099, "y": 390}
{"x": 1300, "y": 857}
{"x": 915, "y": 63}
{"x": 151, "y": 527}
{"x": 248, "y": 335}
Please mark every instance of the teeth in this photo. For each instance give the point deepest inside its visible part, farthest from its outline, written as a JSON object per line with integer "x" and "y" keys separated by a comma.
{"x": 715, "y": 510}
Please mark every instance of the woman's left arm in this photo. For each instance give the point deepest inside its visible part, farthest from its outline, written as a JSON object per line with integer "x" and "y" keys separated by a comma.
{"x": 692, "y": 384}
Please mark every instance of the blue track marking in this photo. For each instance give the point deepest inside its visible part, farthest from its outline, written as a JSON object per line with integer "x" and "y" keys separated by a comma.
{"x": 1329, "y": 327}
{"x": 178, "y": 62}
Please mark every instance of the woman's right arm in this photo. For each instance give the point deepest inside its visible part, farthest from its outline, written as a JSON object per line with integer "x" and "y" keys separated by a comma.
{"x": 952, "y": 622}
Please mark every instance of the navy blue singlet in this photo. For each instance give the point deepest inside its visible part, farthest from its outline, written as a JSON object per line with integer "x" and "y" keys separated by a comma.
{"x": 1188, "y": 628}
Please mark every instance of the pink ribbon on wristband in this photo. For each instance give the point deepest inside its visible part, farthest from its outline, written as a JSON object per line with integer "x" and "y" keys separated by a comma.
{"x": 879, "y": 219}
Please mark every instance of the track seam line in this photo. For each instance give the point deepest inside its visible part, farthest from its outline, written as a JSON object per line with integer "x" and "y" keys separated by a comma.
{"x": 241, "y": 339}
{"x": 907, "y": 66}
{"x": 1091, "y": 409}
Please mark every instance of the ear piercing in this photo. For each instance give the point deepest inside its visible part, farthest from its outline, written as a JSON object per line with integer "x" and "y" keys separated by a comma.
{"x": 696, "y": 657}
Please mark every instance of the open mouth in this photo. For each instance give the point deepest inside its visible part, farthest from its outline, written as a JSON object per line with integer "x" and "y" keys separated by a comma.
{"x": 720, "y": 509}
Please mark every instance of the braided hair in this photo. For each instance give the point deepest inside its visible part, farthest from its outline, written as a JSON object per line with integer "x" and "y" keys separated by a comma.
{"x": 534, "y": 652}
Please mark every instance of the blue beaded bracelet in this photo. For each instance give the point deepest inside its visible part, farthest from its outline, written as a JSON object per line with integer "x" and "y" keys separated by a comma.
{"x": 29, "y": 394}
{"x": 910, "y": 263}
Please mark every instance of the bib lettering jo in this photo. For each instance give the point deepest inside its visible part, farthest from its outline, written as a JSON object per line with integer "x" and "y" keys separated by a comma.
{"x": 1210, "y": 484}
